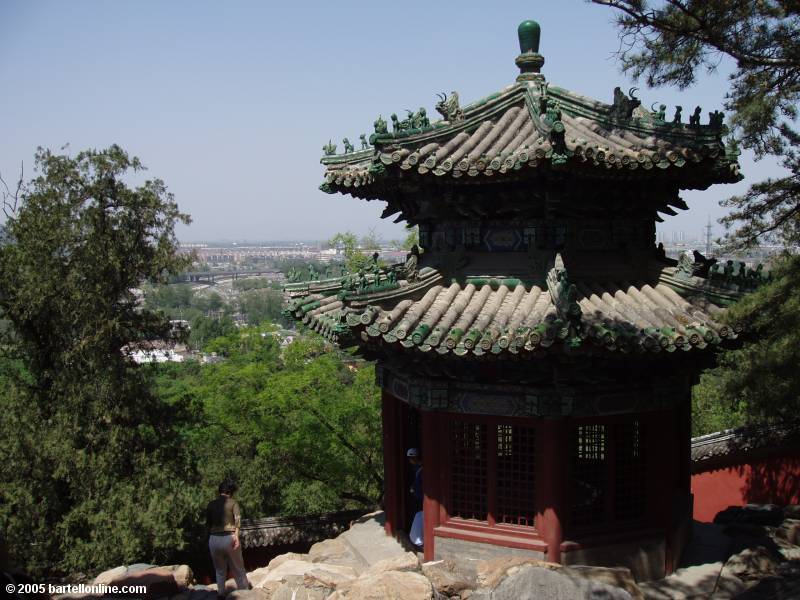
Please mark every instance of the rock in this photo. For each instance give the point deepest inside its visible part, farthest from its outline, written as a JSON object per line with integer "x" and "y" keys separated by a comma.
{"x": 789, "y": 530}
{"x": 448, "y": 578}
{"x": 700, "y": 581}
{"x": 752, "y": 564}
{"x": 490, "y": 571}
{"x": 107, "y": 577}
{"x": 620, "y": 577}
{"x": 284, "y": 557}
{"x": 390, "y": 585}
{"x": 790, "y": 553}
{"x": 792, "y": 511}
{"x": 328, "y": 578}
{"x": 140, "y": 567}
{"x": 293, "y": 589}
{"x": 254, "y": 594}
{"x": 529, "y": 582}
{"x": 328, "y": 549}
{"x": 298, "y": 568}
{"x": 182, "y": 574}
{"x": 158, "y": 580}
{"x": 404, "y": 562}
{"x": 257, "y": 575}
{"x": 285, "y": 569}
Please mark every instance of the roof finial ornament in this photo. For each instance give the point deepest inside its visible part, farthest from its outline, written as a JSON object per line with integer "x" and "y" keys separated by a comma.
{"x": 529, "y": 61}
{"x": 449, "y": 107}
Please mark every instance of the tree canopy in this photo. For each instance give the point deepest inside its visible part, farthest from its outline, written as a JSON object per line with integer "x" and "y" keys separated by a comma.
{"x": 357, "y": 253}
{"x": 91, "y": 467}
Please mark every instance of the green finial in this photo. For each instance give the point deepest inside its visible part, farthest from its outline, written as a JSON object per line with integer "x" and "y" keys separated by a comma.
{"x": 529, "y": 33}
{"x": 529, "y": 61}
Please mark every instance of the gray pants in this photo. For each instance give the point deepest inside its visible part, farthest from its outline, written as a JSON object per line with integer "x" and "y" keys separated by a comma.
{"x": 224, "y": 556}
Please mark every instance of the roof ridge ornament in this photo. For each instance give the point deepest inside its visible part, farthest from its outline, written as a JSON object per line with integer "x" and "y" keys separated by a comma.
{"x": 529, "y": 60}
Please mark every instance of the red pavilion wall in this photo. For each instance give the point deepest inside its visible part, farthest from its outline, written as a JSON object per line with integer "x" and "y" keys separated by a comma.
{"x": 741, "y": 480}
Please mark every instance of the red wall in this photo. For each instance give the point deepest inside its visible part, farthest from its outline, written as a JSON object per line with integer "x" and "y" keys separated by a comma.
{"x": 774, "y": 480}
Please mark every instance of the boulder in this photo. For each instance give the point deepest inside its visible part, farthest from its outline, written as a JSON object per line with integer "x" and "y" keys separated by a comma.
{"x": 448, "y": 577}
{"x": 490, "y": 571}
{"x": 336, "y": 552}
{"x": 107, "y": 577}
{"x": 792, "y": 511}
{"x": 404, "y": 562}
{"x": 257, "y": 576}
{"x": 389, "y": 585}
{"x": 792, "y": 553}
{"x": 327, "y": 577}
{"x": 182, "y": 574}
{"x": 692, "y": 583}
{"x": 158, "y": 580}
{"x": 531, "y": 582}
{"x": 326, "y": 550}
{"x": 620, "y": 577}
{"x": 299, "y": 568}
{"x": 756, "y": 514}
{"x": 254, "y": 594}
{"x": 752, "y": 564}
{"x": 294, "y": 589}
{"x": 789, "y": 531}
{"x": 281, "y": 558}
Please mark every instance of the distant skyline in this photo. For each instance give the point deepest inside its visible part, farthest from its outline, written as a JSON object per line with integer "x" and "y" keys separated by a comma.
{"x": 230, "y": 103}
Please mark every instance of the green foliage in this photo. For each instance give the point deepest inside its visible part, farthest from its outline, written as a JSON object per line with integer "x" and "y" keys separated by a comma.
{"x": 205, "y": 329}
{"x": 255, "y": 283}
{"x": 412, "y": 237}
{"x": 92, "y": 470}
{"x": 758, "y": 382}
{"x": 298, "y": 429}
{"x": 355, "y": 259}
{"x": 261, "y": 305}
{"x": 104, "y": 462}
{"x": 669, "y": 42}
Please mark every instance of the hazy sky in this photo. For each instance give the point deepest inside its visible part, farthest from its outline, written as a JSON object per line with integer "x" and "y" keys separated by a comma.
{"x": 230, "y": 102}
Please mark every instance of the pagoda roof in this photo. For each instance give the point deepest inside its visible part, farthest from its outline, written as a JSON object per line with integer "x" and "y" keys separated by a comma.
{"x": 667, "y": 312}
{"x": 534, "y": 127}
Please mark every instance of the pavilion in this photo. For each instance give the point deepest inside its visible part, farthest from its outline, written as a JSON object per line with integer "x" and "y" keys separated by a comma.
{"x": 539, "y": 349}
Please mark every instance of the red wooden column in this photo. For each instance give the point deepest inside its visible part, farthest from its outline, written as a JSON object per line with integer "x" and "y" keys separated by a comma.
{"x": 552, "y": 464}
{"x": 392, "y": 467}
{"x": 431, "y": 482}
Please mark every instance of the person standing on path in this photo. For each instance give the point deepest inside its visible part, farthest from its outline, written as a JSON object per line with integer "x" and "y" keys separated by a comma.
{"x": 223, "y": 520}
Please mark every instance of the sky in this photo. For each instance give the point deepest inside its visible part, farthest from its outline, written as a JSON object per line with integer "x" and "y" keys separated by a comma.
{"x": 230, "y": 102}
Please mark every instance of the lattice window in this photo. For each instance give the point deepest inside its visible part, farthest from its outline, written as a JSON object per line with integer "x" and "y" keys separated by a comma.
{"x": 516, "y": 452}
{"x": 469, "y": 470}
{"x": 589, "y": 466}
{"x": 629, "y": 471}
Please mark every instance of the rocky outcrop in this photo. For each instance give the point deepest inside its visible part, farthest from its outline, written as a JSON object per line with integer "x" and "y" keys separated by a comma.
{"x": 531, "y": 582}
{"x": 160, "y": 581}
{"x": 449, "y": 578}
{"x": 388, "y": 585}
{"x": 762, "y": 560}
